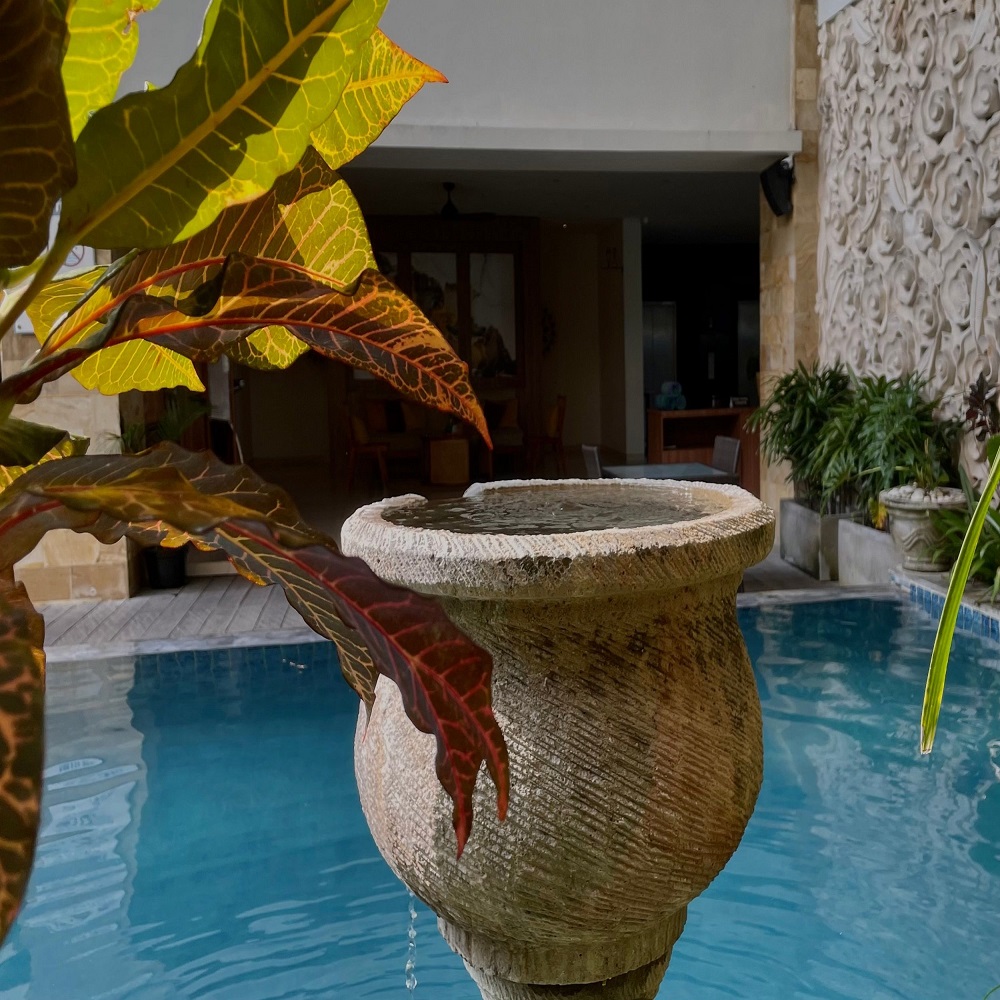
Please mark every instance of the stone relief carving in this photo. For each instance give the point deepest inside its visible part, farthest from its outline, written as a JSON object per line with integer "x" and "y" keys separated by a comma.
{"x": 909, "y": 245}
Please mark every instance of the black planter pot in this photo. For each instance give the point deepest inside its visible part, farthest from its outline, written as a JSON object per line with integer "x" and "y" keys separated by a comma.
{"x": 165, "y": 568}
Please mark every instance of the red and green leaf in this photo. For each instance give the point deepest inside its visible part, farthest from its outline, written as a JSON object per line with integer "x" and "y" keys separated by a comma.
{"x": 308, "y": 221}
{"x": 374, "y": 327}
{"x": 443, "y": 677}
{"x": 22, "y": 690}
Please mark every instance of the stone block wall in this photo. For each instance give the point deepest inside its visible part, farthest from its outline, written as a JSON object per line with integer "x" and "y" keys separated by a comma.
{"x": 65, "y": 564}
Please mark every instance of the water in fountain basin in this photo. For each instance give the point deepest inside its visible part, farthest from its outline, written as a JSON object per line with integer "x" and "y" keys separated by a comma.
{"x": 559, "y": 510}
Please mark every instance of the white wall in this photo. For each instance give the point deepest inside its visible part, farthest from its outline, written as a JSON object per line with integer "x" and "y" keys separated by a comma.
{"x": 168, "y": 35}
{"x": 634, "y": 64}
{"x": 567, "y": 75}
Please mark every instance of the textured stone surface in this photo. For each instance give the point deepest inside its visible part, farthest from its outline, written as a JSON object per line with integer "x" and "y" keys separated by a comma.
{"x": 627, "y": 700}
{"x": 909, "y": 259}
{"x": 789, "y": 326}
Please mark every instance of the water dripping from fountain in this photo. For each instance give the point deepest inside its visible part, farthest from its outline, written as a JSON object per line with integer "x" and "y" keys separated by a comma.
{"x": 411, "y": 948}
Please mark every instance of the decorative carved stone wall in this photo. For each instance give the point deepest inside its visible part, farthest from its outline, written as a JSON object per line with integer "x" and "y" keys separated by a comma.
{"x": 909, "y": 248}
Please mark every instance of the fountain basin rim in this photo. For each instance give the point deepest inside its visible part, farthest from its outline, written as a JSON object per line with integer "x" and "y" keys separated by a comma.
{"x": 600, "y": 561}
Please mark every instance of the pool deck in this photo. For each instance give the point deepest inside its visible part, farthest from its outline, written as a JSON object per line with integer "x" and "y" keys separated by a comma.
{"x": 223, "y": 611}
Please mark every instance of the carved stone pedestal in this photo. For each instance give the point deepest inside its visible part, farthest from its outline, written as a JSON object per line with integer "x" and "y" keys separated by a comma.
{"x": 627, "y": 700}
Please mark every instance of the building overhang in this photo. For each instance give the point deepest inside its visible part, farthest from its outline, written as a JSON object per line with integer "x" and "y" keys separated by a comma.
{"x": 440, "y": 147}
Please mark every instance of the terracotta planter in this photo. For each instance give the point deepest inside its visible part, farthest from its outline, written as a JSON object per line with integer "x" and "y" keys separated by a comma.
{"x": 912, "y": 527}
{"x": 627, "y": 699}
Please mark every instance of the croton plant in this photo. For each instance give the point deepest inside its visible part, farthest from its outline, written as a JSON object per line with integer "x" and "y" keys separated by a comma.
{"x": 245, "y": 242}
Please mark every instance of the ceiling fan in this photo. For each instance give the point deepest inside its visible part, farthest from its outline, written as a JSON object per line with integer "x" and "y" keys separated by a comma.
{"x": 449, "y": 210}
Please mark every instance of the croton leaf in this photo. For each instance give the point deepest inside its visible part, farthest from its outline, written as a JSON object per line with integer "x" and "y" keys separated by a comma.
{"x": 383, "y": 81}
{"x": 103, "y": 39}
{"x": 271, "y": 349}
{"x": 375, "y": 328}
{"x": 443, "y": 677}
{"x": 24, "y": 443}
{"x": 308, "y": 220}
{"x": 159, "y": 166}
{"x": 22, "y": 691}
{"x": 66, "y": 446}
{"x": 36, "y": 146}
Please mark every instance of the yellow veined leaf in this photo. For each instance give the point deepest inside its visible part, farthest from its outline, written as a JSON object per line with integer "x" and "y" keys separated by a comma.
{"x": 134, "y": 366}
{"x": 36, "y": 146}
{"x": 159, "y": 166}
{"x": 309, "y": 220}
{"x": 58, "y": 298}
{"x": 137, "y": 366}
{"x": 383, "y": 81}
{"x": 271, "y": 349}
{"x": 22, "y": 695}
{"x": 103, "y": 38}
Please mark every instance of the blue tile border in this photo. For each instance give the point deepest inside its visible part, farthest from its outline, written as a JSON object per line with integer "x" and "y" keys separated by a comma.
{"x": 928, "y": 595}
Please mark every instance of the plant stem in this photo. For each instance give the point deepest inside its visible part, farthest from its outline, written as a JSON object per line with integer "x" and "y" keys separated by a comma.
{"x": 9, "y": 278}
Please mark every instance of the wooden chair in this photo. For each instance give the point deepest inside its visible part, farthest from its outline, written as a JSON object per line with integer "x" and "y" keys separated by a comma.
{"x": 592, "y": 461}
{"x": 359, "y": 443}
{"x": 551, "y": 440}
{"x": 726, "y": 456}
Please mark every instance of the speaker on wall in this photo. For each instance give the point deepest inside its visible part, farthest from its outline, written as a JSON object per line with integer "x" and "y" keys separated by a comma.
{"x": 776, "y": 182}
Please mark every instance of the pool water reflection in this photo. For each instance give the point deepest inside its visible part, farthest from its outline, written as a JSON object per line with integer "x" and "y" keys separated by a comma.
{"x": 202, "y": 835}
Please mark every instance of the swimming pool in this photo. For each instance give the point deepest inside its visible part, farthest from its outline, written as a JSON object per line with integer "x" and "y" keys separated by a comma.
{"x": 203, "y": 838}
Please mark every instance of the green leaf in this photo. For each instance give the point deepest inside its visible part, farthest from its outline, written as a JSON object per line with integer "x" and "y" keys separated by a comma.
{"x": 24, "y": 443}
{"x": 384, "y": 80}
{"x": 938, "y": 669}
{"x": 308, "y": 220}
{"x": 103, "y": 38}
{"x": 36, "y": 146}
{"x": 22, "y": 693}
{"x": 992, "y": 448}
{"x": 67, "y": 446}
{"x": 159, "y": 166}
{"x": 166, "y": 493}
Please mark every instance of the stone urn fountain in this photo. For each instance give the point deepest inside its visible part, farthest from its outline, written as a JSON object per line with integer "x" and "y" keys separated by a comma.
{"x": 625, "y": 693}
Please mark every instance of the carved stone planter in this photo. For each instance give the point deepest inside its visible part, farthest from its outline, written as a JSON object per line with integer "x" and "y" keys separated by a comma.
{"x": 911, "y": 525}
{"x": 627, "y": 699}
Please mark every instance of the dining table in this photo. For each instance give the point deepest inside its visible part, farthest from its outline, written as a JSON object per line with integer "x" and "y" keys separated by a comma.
{"x": 685, "y": 471}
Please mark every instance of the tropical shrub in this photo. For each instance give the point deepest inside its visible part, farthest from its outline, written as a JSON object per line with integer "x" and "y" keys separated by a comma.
{"x": 880, "y": 434}
{"x": 792, "y": 419}
{"x": 246, "y": 242}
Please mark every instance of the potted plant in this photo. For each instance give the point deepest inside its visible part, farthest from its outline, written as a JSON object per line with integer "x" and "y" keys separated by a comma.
{"x": 885, "y": 445}
{"x": 791, "y": 423}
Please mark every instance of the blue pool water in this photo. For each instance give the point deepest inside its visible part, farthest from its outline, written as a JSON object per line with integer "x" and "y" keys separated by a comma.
{"x": 202, "y": 835}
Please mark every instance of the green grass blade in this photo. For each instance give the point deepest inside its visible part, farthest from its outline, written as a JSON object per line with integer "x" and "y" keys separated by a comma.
{"x": 934, "y": 690}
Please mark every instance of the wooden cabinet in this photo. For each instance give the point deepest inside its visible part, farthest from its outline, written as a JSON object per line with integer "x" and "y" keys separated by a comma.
{"x": 689, "y": 436}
